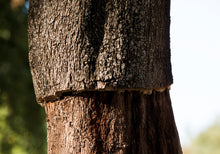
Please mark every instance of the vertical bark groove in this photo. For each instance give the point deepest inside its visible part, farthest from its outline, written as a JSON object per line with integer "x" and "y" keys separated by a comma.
{"x": 112, "y": 122}
{"x": 94, "y": 28}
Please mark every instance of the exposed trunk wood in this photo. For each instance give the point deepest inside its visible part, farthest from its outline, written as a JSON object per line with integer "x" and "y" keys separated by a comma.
{"x": 112, "y": 122}
{"x": 79, "y": 45}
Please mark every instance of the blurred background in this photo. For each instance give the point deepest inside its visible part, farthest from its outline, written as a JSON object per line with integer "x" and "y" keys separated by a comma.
{"x": 195, "y": 54}
{"x": 22, "y": 120}
{"x": 195, "y": 45}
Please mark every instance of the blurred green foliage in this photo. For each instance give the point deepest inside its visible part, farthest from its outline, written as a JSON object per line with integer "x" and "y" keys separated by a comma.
{"x": 208, "y": 142}
{"x": 22, "y": 120}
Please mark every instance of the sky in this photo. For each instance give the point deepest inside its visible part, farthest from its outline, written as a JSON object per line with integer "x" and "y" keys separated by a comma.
{"x": 195, "y": 56}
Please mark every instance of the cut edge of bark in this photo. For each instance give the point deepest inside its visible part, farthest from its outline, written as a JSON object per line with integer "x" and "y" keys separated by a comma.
{"x": 59, "y": 95}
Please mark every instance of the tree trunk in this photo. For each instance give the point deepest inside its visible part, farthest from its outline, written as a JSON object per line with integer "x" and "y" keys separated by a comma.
{"x": 102, "y": 70}
{"x": 112, "y": 122}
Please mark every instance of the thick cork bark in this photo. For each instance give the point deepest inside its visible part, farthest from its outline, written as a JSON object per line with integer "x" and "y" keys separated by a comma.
{"x": 84, "y": 45}
{"x": 112, "y": 122}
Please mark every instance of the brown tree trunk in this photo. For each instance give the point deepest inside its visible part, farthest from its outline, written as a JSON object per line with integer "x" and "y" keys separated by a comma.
{"x": 102, "y": 70}
{"x": 112, "y": 122}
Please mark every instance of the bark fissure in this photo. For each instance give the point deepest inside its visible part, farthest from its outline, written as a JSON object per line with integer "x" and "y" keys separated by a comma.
{"x": 94, "y": 28}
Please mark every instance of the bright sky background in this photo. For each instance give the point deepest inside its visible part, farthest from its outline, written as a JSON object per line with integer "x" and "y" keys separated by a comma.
{"x": 195, "y": 50}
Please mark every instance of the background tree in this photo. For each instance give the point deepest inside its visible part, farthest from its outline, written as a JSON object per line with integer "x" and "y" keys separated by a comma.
{"x": 102, "y": 70}
{"x": 22, "y": 126}
{"x": 207, "y": 142}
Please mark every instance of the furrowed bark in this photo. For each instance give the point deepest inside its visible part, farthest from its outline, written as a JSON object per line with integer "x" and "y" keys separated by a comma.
{"x": 113, "y": 122}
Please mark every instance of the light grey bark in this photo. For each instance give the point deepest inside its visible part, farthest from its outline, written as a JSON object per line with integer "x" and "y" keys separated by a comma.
{"x": 82, "y": 45}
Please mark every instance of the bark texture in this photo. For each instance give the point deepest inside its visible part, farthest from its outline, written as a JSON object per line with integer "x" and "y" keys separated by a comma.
{"x": 82, "y": 45}
{"x": 123, "y": 122}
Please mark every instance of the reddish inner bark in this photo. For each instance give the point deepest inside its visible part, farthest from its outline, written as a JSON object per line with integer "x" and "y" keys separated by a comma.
{"x": 112, "y": 122}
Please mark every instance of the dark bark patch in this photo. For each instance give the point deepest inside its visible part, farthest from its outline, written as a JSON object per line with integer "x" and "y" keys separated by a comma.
{"x": 94, "y": 28}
